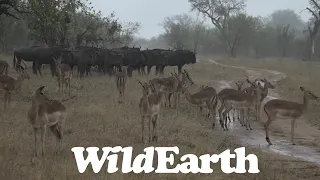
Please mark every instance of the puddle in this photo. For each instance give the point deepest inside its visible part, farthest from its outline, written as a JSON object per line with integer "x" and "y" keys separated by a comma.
{"x": 256, "y": 137}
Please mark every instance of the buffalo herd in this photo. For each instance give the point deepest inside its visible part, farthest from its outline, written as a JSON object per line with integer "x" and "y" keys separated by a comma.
{"x": 105, "y": 60}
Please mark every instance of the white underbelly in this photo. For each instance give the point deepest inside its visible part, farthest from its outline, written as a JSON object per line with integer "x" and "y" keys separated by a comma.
{"x": 53, "y": 118}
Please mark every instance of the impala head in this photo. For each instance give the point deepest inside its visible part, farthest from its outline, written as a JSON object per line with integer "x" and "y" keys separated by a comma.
{"x": 175, "y": 75}
{"x": 39, "y": 96}
{"x": 152, "y": 87}
{"x": 23, "y": 74}
{"x": 202, "y": 87}
{"x": 57, "y": 60}
{"x": 186, "y": 81}
{"x": 267, "y": 84}
{"x": 186, "y": 78}
{"x": 239, "y": 85}
{"x": 309, "y": 94}
{"x": 145, "y": 87}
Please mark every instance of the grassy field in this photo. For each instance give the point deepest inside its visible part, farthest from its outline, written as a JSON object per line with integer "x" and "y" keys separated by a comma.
{"x": 96, "y": 119}
{"x": 299, "y": 73}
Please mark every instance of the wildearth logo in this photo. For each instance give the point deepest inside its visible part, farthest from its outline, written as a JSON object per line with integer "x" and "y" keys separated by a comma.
{"x": 190, "y": 161}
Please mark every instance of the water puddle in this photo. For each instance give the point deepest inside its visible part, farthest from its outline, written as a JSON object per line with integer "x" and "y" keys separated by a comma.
{"x": 256, "y": 137}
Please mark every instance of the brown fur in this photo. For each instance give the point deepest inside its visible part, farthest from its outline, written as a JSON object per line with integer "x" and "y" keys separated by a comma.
{"x": 64, "y": 75}
{"x": 207, "y": 97}
{"x": 121, "y": 80}
{"x": 278, "y": 108}
{"x": 9, "y": 84}
{"x": 45, "y": 113}
{"x": 168, "y": 85}
{"x": 237, "y": 100}
{"x": 150, "y": 105}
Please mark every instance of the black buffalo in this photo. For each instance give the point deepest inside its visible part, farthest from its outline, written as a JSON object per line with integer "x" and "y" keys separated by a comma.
{"x": 155, "y": 57}
{"x": 38, "y": 56}
{"x": 132, "y": 58}
{"x": 108, "y": 60}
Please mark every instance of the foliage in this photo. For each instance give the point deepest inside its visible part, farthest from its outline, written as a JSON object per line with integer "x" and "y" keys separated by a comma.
{"x": 64, "y": 22}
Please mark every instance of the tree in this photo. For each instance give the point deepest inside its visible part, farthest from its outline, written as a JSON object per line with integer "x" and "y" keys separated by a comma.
{"x": 286, "y": 16}
{"x": 9, "y": 7}
{"x": 285, "y": 36}
{"x": 219, "y": 12}
{"x": 314, "y": 24}
{"x": 128, "y": 31}
{"x": 72, "y": 22}
{"x": 178, "y": 30}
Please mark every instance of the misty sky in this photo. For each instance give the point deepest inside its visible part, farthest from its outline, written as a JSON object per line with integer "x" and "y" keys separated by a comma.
{"x": 150, "y": 13}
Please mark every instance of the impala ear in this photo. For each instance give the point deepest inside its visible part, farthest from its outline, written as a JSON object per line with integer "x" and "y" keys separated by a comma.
{"x": 39, "y": 90}
{"x": 139, "y": 82}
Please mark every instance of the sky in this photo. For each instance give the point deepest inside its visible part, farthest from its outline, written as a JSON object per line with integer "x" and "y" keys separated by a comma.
{"x": 151, "y": 13}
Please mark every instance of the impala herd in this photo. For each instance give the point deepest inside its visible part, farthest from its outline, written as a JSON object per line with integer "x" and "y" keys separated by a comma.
{"x": 49, "y": 113}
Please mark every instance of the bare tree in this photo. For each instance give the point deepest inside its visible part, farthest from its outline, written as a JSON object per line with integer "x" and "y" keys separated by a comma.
{"x": 219, "y": 12}
{"x": 313, "y": 27}
{"x": 285, "y": 35}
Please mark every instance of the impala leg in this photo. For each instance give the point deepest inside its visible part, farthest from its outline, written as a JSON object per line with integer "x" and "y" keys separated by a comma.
{"x": 142, "y": 128}
{"x": 5, "y": 99}
{"x": 58, "y": 86}
{"x": 201, "y": 110}
{"x": 154, "y": 124}
{"x": 178, "y": 98}
{"x": 248, "y": 124}
{"x": 168, "y": 98}
{"x": 43, "y": 134}
{"x": 266, "y": 127}
{"x": 69, "y": 84}
{"x": 224, "y": 114}
{"x": 122, "y": 95}
{"x": 149, "y": 127}
{"x": 9, "y": 98}
{"x": 292, "y": 131}
{"x": 62, "y": 90}
{"x": 175, "y": 97}
{"x": 58, "y": 133}
{"x": 240, "y": 114}
{"x": 36, "y": 147}
{"x": 234, "y": 115}
{"x": 258, "y": 111}
{"x": 220, "y": 115}
{"x": 228, "y": 117}
{"x": 212, "y": 110}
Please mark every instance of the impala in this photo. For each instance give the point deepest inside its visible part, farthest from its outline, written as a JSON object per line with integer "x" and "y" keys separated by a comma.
{"x": 46, "y": 113}
{"x": 278, "y": 108}
{"x": 9, "y": 84}
{"x": 63, "y": 73}
{"x": 121, "y": 80}
{"x": 238, "y": 100}
{"x": 150, "y": 105}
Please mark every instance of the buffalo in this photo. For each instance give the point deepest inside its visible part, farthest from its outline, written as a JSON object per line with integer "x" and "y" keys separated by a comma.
{"x": 38, "y": 56}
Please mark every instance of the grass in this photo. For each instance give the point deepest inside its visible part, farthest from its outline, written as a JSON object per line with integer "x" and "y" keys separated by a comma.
{"x": 299, "y": 73}
{"x": 96, "y": 119}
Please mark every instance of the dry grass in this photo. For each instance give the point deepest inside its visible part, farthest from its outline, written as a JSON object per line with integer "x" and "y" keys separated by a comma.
{"x": 96, "y": 119}
{"x": 299, "y": 73}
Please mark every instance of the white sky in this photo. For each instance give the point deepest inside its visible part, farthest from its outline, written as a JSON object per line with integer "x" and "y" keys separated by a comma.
{"x": 150, "y": 13}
